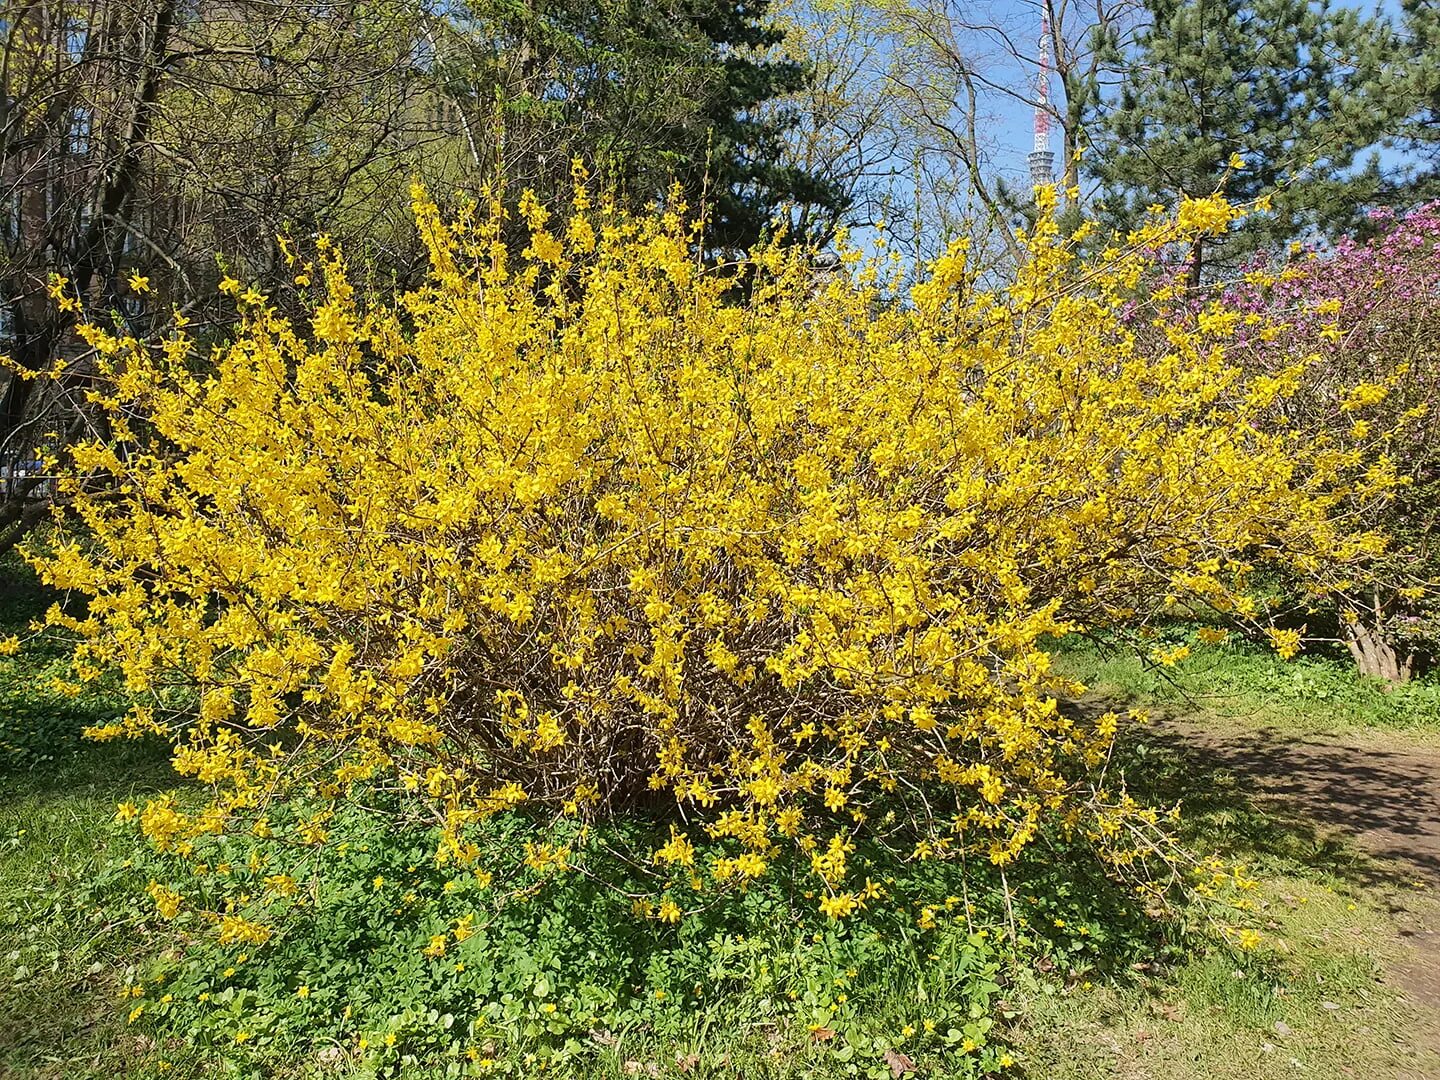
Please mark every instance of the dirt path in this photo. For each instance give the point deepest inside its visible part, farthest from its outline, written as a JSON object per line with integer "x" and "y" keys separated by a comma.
{"x": 1383, "y": 792}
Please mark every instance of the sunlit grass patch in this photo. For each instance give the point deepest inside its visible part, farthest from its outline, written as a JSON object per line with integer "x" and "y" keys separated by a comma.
{"x": 1309, "y": 1000}
{"x": 1238, "y": 679}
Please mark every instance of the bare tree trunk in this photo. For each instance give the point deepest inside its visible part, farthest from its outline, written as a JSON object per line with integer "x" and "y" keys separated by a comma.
{"x": 34, "y": 348}
{"x": 1375, "y": 653}
{"x": 1195, "y": 269}
{"x": 17, "y": 518}
{"x": 101, "y": 246}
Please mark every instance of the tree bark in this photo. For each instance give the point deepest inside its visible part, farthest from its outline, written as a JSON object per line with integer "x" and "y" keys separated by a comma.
{"x": 17, "y": 518}
{"x": 1375, "y": 652}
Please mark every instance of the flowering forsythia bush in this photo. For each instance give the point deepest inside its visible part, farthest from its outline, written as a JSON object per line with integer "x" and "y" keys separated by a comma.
{"x": 597, "y": 529}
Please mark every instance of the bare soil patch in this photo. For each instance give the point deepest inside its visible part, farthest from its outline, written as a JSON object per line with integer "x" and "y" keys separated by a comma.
{"x": 1382, "y": 791}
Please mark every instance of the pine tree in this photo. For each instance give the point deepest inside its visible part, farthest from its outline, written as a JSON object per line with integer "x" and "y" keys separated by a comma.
{"x": 745, "y": 153}
{"x": 645, "y": 94}
{"x": 1292, "y": 87}
{"x": 1420, "y": 89}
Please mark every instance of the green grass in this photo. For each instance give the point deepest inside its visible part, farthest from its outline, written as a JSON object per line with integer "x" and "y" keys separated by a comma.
{"x": 1311, "y": 692}
{"x": 70, "y": 933}
{"x": 764, "y": 991}
{"x": 1325, "y": 908}
{"x": 1309, "y": 1003}
{"x": 1328, "y": 907}
{"x": 70, "y": 929}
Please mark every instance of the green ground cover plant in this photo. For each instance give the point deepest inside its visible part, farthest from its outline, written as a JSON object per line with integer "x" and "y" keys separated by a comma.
{"x": 565, "y": 984}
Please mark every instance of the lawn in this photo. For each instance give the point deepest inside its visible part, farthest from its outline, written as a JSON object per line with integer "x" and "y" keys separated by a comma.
{"x": 1084, "y": 990}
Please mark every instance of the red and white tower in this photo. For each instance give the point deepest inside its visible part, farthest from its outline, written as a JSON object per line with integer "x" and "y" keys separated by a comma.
{"x": 1041, "y": 159}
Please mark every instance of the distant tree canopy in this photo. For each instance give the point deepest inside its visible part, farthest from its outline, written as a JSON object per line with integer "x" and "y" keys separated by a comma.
{"x": 646, "y": 94}
{"x": 148, "y": 137}
{"x": 1296, "y": 89}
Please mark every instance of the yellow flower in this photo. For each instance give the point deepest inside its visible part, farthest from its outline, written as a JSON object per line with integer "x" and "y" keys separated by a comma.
{"x": 237, "y": 928}
{"x": 1286, "y": 642}
{"x": 545, "y": 248}
{"x": 1207, "y": 215}
{"x": 167, "y": 901}
{"x": 1170, "y": 657}
{"x": 840, "y": 905}
{"x": 332, "y": 322}
{"x": 679, "y": 850}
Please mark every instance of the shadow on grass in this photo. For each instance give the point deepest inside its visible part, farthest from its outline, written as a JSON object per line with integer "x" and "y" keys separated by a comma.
{"x": 1362, "y": 814}
{"x": 43, "y": 752}
{"x": 111, "y": 773}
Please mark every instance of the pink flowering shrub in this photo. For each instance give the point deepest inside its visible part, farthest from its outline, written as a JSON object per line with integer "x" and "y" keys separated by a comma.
{"x": 1364, "y": 320}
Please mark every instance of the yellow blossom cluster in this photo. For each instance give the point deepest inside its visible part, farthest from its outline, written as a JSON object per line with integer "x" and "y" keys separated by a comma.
{"x": 566, "y": 530}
